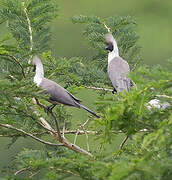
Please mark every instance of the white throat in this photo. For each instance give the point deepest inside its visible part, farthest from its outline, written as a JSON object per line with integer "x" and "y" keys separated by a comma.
{"x": 39, "y": 74}
{"x": 114, "y": 53}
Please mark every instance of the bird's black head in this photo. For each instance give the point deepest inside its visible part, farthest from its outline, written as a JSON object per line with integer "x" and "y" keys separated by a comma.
{"x": 34, "y": 68}
{"x": 109, "y": 46}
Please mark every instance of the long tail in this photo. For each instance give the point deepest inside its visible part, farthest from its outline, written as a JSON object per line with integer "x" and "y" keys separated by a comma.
{"x": 85, "y": 108}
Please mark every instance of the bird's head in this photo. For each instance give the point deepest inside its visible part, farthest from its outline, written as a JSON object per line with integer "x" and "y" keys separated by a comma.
{"x": 109, "y": 42}
{"x": 36, "y": 62}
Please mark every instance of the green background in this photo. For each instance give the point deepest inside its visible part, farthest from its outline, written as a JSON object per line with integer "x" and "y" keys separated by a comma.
{"x": 154, "y": 18}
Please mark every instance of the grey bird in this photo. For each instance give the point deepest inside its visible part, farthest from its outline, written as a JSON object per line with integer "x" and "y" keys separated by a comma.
{"x": 118, "y": 68}
{"x": 58, "y": 95}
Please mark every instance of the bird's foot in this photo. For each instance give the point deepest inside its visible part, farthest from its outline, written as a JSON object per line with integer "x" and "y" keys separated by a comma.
{"x": 114, "y": 91}
{"x": 49, "y": 109}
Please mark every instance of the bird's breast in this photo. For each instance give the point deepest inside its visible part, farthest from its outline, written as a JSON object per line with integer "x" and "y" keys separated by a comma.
{"x": 37, "y": 80}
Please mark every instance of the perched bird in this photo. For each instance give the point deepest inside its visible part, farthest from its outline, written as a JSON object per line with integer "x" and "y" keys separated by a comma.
{"x": 118, "y": 68}
{"x": 58, "y": 95}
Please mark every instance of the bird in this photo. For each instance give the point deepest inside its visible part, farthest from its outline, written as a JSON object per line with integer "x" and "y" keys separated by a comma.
{"x": 118, "y": 68}
{"x": 58, "y": 95}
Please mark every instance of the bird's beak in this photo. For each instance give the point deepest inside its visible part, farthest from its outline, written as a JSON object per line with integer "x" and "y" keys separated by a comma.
{"x": 107, "y": 47}
{"x": 34, "y": 68}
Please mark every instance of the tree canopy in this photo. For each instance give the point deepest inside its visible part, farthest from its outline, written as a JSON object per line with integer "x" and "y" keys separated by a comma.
{"x": 148, "y": 150}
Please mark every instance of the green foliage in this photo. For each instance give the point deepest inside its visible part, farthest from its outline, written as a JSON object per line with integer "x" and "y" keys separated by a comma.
{"x": 146, "y": 155}
{"x": 129, "y": 112}
{"x": 123, "y": 30}
{"x": 26, "y": 17}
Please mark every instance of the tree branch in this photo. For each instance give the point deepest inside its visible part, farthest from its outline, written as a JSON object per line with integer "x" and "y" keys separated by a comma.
{"x": 99, "y": 88}
{"x": 57, "y": 125}
{"x": 108, "y": 29}
{"x": 17, "y": 62}
{"x": 62, "y": 140}
{"x": 21, "y": 170}
{"x": 30, "y": 28}
{"x": 28, "y": 134}
{"x": 164, "y": 96}
{"x": 30, "y": 32}
{"x": 123, "y": 142}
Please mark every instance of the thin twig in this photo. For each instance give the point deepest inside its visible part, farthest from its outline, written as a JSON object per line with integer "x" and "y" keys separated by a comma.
{"x": 30, "y": 32}
{"x": 84, "y": 123}
{"x": 63, "y": 130}
{"x": 63, "y": 140}
{"x": 30, "y": 28}
{"x": 164, "y": 96}
{"x": 41, "y": 105}
{"x": 123, "y": 142}
{"x": 34, "y": 174}
{"x": 99, "y": 88}
{"x": 57, "y": 125}
{"x": 17, "y": 62}
{"x": 21, "y": 170}
{"x": 44, "y": 123}
{"x": 108, "y": 29}
{"x": 80, "y": 132}
{"x": 28, "y": 134}
{"x": 86, "y": 136}
{"x": 76, "y": 135}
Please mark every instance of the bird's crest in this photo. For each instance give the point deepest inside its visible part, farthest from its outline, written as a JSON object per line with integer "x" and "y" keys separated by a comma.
{"x": 109, "y": 38}
{"x": 36, "y": 60}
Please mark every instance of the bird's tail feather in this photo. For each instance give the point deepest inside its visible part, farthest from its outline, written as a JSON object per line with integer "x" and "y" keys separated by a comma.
{"x": 85, "y": 108}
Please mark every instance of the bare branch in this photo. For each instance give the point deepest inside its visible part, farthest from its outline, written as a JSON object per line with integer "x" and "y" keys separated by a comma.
{"x": 20, "y": 171}
{"x": 86, "y": 136}
{"x": 164, "y": 96}
{"x": 28, "y": 134}
{"x": 75, "y": 148}
{"x": 80, "y": 132}
{"x": 17, "y": 62}
{"x": 76, "y": 135}
{"x": 30, "y": 32}
{"x": 123, "y": 142}
{"x": 57, "y": 125}
{"x": 34, "y": 174}
{"x": 63, "y": 140}
{"x": 108, "y": 29}
{"x": 99, "y": 88}
{"x": 63, "y": 131}
{"x": 30, "y": 29}
{"x": 44, "y": 123}
{"x": 53, "y": 115}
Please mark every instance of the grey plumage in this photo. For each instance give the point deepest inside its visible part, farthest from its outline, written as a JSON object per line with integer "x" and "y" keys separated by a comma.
{"x": 117, "y": 71}
{"x": 118, "y": 68}
{"x": 58, "y": 95}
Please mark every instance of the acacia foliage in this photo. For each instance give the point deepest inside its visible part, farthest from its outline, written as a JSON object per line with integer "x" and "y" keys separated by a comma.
{"x": 145, "y": 156}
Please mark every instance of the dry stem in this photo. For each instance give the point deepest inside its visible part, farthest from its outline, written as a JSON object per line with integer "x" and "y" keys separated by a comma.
{"x": 123, "y": 142}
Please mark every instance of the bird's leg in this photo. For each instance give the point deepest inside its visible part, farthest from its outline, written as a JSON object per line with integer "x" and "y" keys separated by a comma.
{"x": 50, "y": 108}
{"x": 114, "y": 91}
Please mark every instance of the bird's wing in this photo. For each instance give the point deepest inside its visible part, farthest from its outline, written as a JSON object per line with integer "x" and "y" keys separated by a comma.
{"x": 117, "y": 71}
{"x": 58, "y": 94}
{"x": 76, "y": 99}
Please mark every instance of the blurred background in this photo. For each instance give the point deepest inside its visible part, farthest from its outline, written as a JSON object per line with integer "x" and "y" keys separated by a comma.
{"x": 154, "y": 19}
